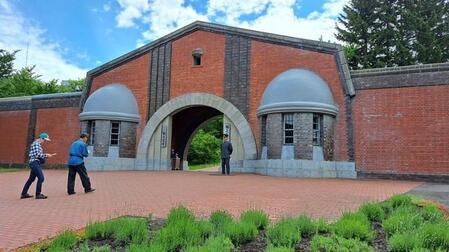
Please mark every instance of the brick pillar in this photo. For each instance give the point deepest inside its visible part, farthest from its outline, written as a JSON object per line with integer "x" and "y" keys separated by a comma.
{"x": 303, "y": 135}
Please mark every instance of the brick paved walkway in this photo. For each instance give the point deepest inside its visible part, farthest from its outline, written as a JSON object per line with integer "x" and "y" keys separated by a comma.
{"x": 140, "y": 193}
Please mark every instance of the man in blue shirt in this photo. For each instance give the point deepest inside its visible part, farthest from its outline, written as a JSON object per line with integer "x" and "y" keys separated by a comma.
{"x": 36, "y": 160}
{"x": 78, "y": 151}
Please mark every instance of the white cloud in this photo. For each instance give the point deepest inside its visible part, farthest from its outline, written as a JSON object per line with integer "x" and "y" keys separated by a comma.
{"x": 281, "y": 19}
{"x": 132, "y": 10}
{"x": 274, "y": 16}
{"x": 16, "y": 33}
{"x": 166, "y": 16}
{"x": 233, "y": 9}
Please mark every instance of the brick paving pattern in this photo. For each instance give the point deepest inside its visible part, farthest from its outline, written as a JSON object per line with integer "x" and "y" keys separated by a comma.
{"x": 140, "y": 193}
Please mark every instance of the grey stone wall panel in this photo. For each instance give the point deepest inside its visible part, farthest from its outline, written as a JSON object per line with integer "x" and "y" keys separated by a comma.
{"x": 237, "y": 72}
{"x": 274, "y": 136}
{"x": 102, "y": 138}
{"x": 303, "y": 135}
{"x": 159, "y": 84}
{"x": 127, "y": 141}
{"x": 379, "y": 80}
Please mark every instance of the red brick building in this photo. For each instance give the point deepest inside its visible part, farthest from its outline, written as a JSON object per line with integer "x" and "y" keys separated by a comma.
{"x": 291, "y": 106}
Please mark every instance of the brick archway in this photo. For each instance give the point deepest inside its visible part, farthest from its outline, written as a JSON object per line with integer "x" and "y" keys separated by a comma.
{"x": 198, "y": 99}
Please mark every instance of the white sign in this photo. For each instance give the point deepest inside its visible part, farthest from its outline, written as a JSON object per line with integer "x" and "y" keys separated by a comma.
{"x": 163, "y": 136}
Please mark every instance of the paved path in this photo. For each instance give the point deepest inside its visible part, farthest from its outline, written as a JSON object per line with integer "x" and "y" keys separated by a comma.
{"x": 439, "y": 192}
{"x": 140, "y": 193}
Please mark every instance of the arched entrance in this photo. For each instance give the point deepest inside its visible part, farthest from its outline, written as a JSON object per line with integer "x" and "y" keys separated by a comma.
{"x": 176, "y": 121}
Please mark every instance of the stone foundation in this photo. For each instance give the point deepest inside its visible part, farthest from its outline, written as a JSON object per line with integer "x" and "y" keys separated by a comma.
{"x": 272, "y": 167}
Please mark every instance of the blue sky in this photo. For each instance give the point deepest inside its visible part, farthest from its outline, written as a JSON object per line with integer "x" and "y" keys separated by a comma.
{"x": 66, "y": 38}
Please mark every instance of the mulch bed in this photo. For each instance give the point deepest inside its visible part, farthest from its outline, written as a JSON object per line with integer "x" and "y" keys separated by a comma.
{"x": 380, "y": 242}
{"x": 259, "y": 244}
{"x": 304, "y": 244}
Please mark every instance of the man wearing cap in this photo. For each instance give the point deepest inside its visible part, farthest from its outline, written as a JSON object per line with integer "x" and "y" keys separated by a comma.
{"x": 36, "y": 160}
{"x": 226, "y": 151}
{"x": 78, "y": 151}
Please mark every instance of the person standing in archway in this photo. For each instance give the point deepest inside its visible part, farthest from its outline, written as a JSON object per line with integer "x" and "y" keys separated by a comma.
{"x": 226, "y": 151}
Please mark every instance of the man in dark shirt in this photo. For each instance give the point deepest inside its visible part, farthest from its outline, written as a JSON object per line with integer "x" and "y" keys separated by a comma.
{"x": 226, "y": 151}
{"x": 36, "y": 160}
{"x": 78, "y": 151}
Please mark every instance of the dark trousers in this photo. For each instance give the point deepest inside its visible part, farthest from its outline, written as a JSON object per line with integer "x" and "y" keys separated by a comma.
{"x": 36, "y": 171}
{"x": 225, "y": 165}
{"x": 81, "y": 170}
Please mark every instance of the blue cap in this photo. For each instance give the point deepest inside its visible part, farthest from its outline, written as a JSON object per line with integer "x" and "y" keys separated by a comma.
{"x": 44, "y": 136}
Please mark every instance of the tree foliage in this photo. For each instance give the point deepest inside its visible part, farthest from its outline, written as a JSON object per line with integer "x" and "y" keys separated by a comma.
{"x": 6, "y": 63}
{"x": 385, "y": 33}
{"x": 205, "y": 146}
{"x": 26, "y": 81}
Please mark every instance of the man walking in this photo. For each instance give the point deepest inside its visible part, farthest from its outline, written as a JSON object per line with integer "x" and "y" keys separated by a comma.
{"x": 78, "y": 151}
{"x": 226, "y": 151}
{"x": 36, "y": 160}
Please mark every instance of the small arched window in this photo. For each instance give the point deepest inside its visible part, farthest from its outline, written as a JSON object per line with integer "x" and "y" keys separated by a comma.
{"x": 197, "y": 56}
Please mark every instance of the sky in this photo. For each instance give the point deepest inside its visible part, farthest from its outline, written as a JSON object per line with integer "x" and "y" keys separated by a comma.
{"x": 66, "y": 38}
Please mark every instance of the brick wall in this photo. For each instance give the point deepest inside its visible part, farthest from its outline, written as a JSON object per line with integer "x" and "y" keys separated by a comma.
{"x": 135, "y": 75}
{"x": 209, "y": 77}
{"x": 402, "y": 130}
{"x": 14, "y": 130}
{"x": 62, "y": 124}
{"x": 269, "y": 60}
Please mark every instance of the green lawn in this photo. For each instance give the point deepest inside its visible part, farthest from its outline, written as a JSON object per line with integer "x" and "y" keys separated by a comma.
{"x": 202, "y": 166}
{"x": 4, "y": 169}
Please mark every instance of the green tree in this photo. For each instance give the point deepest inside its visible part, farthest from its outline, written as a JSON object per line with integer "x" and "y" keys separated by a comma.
{"x": 394, "y": 32}
{"x": 215, "y": 127}
{"x": 205, "y": 146}
{"x": 22, "y": 83}
{"x": 357, "y": 32}
{"x": 430, "y": 24}
{"x": 204, "y": 149}
{"x": 7, "y": 63}
{"x": 27, "y": 82}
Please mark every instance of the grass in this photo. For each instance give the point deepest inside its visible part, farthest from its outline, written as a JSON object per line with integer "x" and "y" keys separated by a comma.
{"x": 434, "y": 235}
{"x": 256, "y": 217}
{"x": 409, "y": 227}
{"x": 354, "y": 226}
{"x": 63, "y": 242}
{"x": 404, "y": 241}
{"x": 219, "y": 220}
{"x": 5, "y": 169}
{"x": 373, "y": 211}
{"x": 284, "y": 233}
{"x": 214, "y": 244}
{"x": 240, "y": 232}
{"x": 338, "y": 243}
{"x": 305, "y": 225}
{"x": 125, "y": 229}
{"x": 403, "y": 219}
{"x": 202, "y": 166}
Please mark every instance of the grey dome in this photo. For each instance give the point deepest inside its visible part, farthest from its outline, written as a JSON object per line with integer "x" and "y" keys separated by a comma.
{"x": 111, "y": 102}
{"x": 297, "y": 90}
